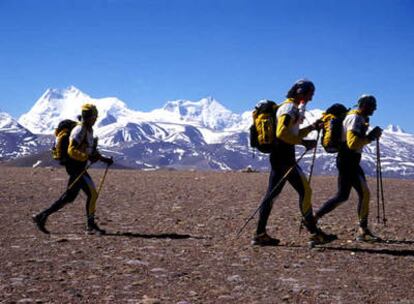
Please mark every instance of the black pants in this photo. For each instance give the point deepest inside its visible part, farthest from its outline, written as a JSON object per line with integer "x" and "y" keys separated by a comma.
{"x": 298, "y": 181}
{"x": 84, "y": 183}
{"x": 350, "y": 175}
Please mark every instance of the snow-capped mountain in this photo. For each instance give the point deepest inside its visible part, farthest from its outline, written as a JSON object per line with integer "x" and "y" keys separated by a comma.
{"x": 397, "y": 150}
{"x": 55, "y": 105}
{"x": 395, "y": 129}
{"x": 396, "y": 154}
{"x": 15, "y": 140}
{"x": 206, "y": 113}
{"x": 185, "y": 134}
{"x": 118, "y": 121}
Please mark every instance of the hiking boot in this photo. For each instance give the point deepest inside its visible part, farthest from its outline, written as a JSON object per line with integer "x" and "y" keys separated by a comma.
{"x": 320, "y": 238}
{"x": 263, "y": 239}
{"x": 93, "y": 228}
{"x": 40, "y": 221}
{"x": 365, "y": 235}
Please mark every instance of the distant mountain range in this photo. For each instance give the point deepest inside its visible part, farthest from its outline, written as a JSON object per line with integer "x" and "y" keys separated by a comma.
{"x": 183, "y": 134}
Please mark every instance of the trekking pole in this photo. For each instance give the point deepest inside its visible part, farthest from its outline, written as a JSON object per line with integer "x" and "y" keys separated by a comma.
{"x": 314, "y": 157}
{"x": 75, "y": 180}
{"x": 271, "y": 193}
{"x": 102, "y": 180}
{"x": 78, "y": 178}
{"x": 384, "y": 219}
{"x": 378, "y": 184}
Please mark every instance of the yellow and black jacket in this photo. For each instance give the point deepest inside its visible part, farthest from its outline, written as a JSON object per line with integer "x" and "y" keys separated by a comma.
{"x": 81, "y": 143}
{"x": 288, "y": 132}
{"x": 355, "y": 127}
{"x": 288, "y": 121}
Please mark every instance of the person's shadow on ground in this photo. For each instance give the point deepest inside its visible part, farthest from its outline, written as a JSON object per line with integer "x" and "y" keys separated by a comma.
{"x": 174, "y": 236}
{"x": 398, "y": 242}
{"x": 394, "y": 251}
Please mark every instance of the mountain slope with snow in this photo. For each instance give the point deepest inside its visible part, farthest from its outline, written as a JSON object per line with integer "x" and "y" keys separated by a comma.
{"x": 183, "y": 134}
{"x": 15, "y": 140}
{"x": 207, "y": 113}
{"x": 55, "y": 105}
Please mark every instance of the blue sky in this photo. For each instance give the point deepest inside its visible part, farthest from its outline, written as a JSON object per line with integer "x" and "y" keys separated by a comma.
{"x": 146, "y": 52}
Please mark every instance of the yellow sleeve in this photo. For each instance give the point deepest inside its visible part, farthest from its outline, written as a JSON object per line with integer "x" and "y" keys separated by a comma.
{"x": 74, "y": 152}
{"x": 284, "y": 131}
{"x": 354, "y": 142}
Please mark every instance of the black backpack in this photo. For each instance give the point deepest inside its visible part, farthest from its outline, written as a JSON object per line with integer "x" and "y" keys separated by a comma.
{"x": 263, "y": 129}
{"x": 332, "y": 127}
{"x": 60, "y": 147}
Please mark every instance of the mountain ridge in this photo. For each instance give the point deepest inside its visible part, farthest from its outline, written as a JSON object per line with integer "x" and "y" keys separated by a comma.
{"x": 182, "y": 134}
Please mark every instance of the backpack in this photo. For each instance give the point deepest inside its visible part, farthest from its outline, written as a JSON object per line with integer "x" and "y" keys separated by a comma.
{"x": 263, "y": 129}
{"x": 60, "y": 147}
{"x": 332, "y": 120}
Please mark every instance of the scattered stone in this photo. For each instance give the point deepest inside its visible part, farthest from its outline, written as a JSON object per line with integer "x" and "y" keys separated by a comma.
{"x": 148, "y": 300}
{"x": 286, "y": 298}
{"x": 225, "y": 297}
{"x": 137, "y": 262}
{"x": 139, "y": 283}
{"x": 158, "y": 270}
{"x": 26, "y": 300}
{"x": 234, "y": 278}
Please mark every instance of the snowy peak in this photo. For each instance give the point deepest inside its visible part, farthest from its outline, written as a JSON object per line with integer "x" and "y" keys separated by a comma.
{"x": 55, "y": 94}
{"x": 394, "y": 129}
{"x": 49, "y": 109}
{"x": 6, "y": 121}
{"x": 204, "y": 103}
{"x": 58, "y": 104}
{"x": 207, "y": 112}
{"x": 10, "y": 125}
{"x": 15, "y": 140}
{"x": 187, "y": 109}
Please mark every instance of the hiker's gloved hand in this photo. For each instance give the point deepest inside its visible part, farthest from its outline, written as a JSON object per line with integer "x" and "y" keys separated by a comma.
{"x": 375, "y": 133}
{"x": 317, "y": 125}
{"x": 94, "y": 157}
{"x": 108, "y": 160}
{"x": 309, "y": 143}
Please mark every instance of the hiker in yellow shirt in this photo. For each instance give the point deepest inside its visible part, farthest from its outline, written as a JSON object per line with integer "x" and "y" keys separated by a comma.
{"x": 350, "y": 173}
{"x": 282, "y": 158}
{"x": 81, "y": 149}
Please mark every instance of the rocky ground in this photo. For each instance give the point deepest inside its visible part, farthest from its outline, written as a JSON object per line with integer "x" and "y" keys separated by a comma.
{"x": 172, "y": 240}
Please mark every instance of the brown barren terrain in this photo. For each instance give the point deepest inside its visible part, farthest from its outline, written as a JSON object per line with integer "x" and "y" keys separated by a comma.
{"x": 172, "y": 240}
